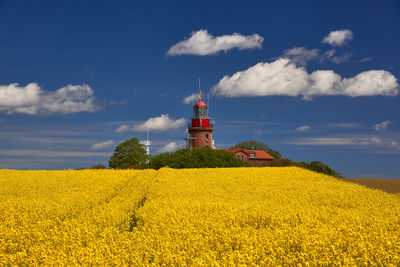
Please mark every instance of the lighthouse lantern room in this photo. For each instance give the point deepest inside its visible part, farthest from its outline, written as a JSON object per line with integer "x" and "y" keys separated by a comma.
{"x": 200, "y": 130}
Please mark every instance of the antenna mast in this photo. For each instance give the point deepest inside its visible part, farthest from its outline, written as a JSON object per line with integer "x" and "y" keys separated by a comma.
{"x": 146, "y": 143}
{"x": 199, "y": 89}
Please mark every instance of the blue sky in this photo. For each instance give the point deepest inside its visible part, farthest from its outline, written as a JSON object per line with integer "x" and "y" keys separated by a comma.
{"x": 316, "y": 80}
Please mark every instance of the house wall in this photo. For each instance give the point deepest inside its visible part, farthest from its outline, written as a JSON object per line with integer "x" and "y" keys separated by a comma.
{"x": 259, "y": 162}
{"x": 242, "y": 156}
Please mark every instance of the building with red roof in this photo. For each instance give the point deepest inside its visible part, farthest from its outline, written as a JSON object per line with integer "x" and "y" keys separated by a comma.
{"x": 258, "y": 158}
{"x": 199, "y": 134}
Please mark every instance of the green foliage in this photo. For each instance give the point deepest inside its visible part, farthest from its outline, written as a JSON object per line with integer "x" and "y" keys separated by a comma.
{"x": 129, "y": 154}
{"x": 127, "y": 165}
{"x": 316, "y": 166}
{"x": 320, "y": 167}
{"x": 98, "y": 166}
{"x": 204, "y": 157}
{"x": 282, "y": 162}
{"x": 255, "y": 145}
{"x": 159, "y": 161}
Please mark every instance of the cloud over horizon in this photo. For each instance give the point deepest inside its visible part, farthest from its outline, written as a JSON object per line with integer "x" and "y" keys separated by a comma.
{"x": 170, "y": 147}
{"x": 383, "y": 142}
{"x": 32, "y": 99}
{"x": 202, "y": 43}
{"x": 159, "y": 124}
{"x": 338, "y": 38}
{"x": 283, "y": 77}
{"x": 381, "y": 126}
{"x": 102, "y": 145}
{"x": 303, "y": 128}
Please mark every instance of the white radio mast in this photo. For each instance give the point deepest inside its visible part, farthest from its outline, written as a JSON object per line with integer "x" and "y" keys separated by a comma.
{"x": 146, "y": 144}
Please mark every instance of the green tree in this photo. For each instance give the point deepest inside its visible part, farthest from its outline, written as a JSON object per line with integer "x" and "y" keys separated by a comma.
{"x": 127, "y": 154}
{"x": 158, "y": 161}
{"x": 255, "y": 145}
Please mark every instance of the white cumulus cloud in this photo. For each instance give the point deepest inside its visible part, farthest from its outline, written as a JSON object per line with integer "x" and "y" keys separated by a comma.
{"x": 202, "y": 43}
{"x": 303, "y": 128}
{"x": 123, "y": 128}
{"x": 102, "y": 145}
{"x": 301, "y": 55}
{"x": 170, "y": 147}
{"x": 381, "y": 126}
{"x": 32, "y": 99}
{"x": 190, "y": 98}
{"x": 160, "y": 123}
{"x": 338, "y": 38}
{"x": 331, "y": 55}
{"x": 283, "y": 77}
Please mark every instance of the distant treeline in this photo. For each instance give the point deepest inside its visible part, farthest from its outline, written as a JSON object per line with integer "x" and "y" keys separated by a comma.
{"x": 131, "y": 155}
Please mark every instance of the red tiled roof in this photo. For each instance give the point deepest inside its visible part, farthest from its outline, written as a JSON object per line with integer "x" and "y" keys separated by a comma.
{"x": 260, "y": 154}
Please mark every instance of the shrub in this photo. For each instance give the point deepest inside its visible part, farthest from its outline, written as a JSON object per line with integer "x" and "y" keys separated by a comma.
{"x": 320, "y": 167}
{"x": 204, "y": 157}
{"x": 98, "y": 166}
{"x": 282, "y": 162}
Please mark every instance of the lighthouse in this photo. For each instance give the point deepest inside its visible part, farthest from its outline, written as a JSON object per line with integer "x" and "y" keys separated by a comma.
{"x": 199, "y": 132}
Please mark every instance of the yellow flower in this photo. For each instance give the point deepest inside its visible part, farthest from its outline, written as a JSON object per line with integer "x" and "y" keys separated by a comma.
{"x": 232, "y": 216}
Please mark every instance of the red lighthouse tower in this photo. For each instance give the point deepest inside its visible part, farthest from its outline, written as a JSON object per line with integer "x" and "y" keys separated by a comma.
{"x": 200, "y": 130}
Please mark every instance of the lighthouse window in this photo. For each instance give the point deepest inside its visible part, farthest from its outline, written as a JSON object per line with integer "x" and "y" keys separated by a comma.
{"x": 203, "y": 112}
{"x": 196, "y": 113}
{"x": 206, "y": 137}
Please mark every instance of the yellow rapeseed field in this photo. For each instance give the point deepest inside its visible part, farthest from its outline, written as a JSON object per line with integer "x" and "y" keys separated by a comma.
{"x": 235, "y": 216}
